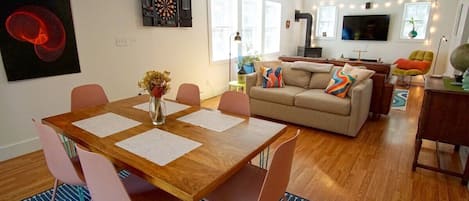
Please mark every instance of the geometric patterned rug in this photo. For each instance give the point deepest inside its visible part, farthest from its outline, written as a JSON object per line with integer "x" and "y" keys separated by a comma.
{"x": 67, "y": 192}
{"x": 399, "y": 99}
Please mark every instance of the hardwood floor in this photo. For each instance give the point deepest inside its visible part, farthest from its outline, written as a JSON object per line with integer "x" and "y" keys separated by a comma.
{"x": 376, "y": 165}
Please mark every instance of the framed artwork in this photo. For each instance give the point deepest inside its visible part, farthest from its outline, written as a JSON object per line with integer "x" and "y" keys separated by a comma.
{"x": 37, "y": 39}
{"x": 167, "y": 13}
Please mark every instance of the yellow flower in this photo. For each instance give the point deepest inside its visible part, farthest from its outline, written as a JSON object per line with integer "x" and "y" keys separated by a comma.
{"x": 154, "y": 79}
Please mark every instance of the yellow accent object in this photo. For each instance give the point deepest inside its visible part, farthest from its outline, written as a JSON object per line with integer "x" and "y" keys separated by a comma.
{"x": 237, "y": 86}
{"x": 417, "y": 55}
{"x": 421, "y": 55}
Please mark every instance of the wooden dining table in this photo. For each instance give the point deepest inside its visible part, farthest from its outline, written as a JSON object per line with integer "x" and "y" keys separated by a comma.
{"x": 194, "y": 174}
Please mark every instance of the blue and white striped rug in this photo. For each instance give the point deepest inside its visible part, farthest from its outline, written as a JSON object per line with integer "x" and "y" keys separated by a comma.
{"x": 67, "y": 192}
{"x": 70, "y": 193}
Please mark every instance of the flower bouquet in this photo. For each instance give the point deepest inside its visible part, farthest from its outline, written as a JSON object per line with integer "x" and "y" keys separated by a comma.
{"x": 156, "y": 84}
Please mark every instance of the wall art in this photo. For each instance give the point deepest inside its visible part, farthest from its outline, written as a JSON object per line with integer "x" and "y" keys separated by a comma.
{"x": 37, "y": 39}
{"x": 167, "y": 13}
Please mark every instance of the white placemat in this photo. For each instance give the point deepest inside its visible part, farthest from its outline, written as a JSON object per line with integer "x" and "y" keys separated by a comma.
{"x": 158, "y": 146}
{"x": 213, "y": 120}
{"x": 267, "y": 125}
{"x": 106, "y": 124}
{"x": 171, "y": 107}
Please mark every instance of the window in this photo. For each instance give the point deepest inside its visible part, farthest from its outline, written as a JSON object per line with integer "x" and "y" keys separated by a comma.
{"x": 420, "y": 13}
{"x": 259, "y": 23}
{"x": 251, "y": 26}
{"x": 326, "y": 21}
{"x": 272, "y": 27}
{"x": 224, "y": 22}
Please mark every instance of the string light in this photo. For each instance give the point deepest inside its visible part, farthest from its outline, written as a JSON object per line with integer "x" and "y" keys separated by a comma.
{"x": 427, "y": 42}
{"x": 436, "y": 17}
{"x": 387, "y": 4}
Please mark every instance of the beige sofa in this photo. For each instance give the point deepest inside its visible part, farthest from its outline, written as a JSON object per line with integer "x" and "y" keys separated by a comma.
{"x": 303, "y": 101}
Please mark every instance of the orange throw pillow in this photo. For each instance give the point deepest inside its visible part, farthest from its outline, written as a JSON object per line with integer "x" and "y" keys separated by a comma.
{"x": 409, "y": 64}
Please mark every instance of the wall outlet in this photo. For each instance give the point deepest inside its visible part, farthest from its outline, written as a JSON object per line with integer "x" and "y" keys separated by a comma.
{"x": 121, "y": 42}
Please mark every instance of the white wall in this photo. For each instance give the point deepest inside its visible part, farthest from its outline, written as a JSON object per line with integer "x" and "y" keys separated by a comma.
{"x": 395, "y": 47}
{"x": 98, "y": 24}
{"x": 460, "y": 32}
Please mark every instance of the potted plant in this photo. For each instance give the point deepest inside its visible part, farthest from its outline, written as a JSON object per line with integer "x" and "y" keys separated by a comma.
{"x": 412, "y": 33}
{"x": 246, "y": 65}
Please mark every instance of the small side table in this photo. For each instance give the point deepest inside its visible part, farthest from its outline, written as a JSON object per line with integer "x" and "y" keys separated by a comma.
{"x": 237, "y": 86}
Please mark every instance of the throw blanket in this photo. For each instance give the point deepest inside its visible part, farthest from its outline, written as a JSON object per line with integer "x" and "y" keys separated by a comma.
{"x": 312, "y": 67}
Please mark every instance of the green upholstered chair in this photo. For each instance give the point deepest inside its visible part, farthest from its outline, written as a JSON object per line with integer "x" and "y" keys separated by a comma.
{"x": 418, "y": 63}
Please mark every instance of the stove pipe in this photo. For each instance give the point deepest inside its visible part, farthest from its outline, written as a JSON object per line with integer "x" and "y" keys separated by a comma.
{"x": 309, "y": 24}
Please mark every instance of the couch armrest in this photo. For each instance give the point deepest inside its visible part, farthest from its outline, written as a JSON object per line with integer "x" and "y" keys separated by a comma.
{"x": 360, "y": 105}
{"x": 251, "y": 80}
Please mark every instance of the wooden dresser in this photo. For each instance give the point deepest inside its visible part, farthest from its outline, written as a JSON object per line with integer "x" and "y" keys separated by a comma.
{"x": 444, "y": 118}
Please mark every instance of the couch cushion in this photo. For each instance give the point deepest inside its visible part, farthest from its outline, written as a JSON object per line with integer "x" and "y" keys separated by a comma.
{"x": 360, "y": 73}
{"x": 268, "y": 64}
{"x": 321, "y": 80}
{"x": 285, "y": 95}
{"x": 272, "y": 77}
{"x": 340, "y": 84}
{"x": 316, "y": 99}
{"x": 295, "y": 77}
{"x": 312, "y": 67}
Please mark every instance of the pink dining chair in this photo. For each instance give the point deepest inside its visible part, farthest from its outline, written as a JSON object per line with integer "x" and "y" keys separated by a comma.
{"x": 188, "y": 94}
{"x": 88, "y": 95}
{"x": 104, "y": 184}
{"x": 253, "y": 183}
{"x": 235, "y": 102}
{"x": 60, "y": 165}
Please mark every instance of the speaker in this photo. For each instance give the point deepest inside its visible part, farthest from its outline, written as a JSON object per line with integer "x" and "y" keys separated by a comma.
{"x": 368, "y": 5}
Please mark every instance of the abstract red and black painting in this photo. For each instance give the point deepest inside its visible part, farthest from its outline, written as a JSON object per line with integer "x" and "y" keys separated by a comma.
{"x": 37, "y": 39}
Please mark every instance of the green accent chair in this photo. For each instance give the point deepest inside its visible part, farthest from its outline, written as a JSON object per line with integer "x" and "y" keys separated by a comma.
{"x": 419, "y": 62}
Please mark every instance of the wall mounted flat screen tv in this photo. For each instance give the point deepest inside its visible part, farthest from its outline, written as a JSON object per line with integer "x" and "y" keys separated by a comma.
{"x": 365, "y": 27}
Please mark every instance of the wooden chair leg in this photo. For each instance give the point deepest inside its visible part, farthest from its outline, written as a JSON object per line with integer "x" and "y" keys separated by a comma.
{"x": 465, "y": 175}
{"x": 418, "y": 145}
{"x": 54, "y": 191}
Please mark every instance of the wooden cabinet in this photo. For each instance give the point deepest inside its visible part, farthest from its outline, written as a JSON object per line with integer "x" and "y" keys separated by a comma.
{"x": 444, "y": 118}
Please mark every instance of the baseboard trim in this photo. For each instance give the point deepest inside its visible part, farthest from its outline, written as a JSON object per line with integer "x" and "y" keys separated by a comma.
{"x": 19, "y": 148}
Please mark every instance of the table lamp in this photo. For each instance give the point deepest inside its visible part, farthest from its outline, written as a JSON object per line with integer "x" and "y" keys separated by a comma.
{"x": 237, "y": 39}
{"x": 443, "y": 38}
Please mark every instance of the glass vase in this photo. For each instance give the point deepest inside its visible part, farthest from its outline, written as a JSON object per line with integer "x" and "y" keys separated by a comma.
{"x": 157, "y": 110}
